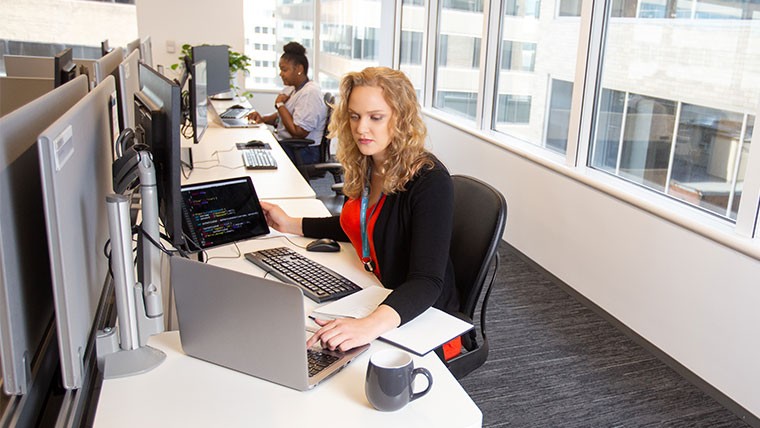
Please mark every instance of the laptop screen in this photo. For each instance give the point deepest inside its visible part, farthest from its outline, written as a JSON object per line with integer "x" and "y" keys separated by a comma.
{"x": 220, "y": 212}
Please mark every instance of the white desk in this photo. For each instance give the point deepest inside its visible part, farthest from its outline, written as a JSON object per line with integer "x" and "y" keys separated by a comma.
{"x": 216, "y": 158}
{"x": 187, "y": 392}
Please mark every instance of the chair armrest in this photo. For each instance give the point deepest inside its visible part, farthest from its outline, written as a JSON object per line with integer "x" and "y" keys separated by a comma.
{"x": 297, "y": 143}
{"x": 329, "y": 166}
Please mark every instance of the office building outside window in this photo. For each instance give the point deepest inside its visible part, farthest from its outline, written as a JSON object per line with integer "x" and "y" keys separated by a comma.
{"x": 679, "y": 97}
{"x": 537, "y": 58}
{"x": 457, "y": 65}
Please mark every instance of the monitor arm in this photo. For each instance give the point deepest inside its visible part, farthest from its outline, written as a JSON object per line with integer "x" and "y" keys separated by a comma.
{"x": 139, "y": 305}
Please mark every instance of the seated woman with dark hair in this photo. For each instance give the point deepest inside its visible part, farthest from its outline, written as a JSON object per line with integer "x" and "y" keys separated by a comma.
{"x": 399, "y": 212}
{"x": 300, "y": 111}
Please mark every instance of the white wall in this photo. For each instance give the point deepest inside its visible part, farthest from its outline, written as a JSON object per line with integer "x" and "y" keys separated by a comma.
{"x": 696, "y": 300}
{"x": 189, "y": 21}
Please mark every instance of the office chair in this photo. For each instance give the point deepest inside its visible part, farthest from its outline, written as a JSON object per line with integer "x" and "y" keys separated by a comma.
{"x": 480, "y": 215}
{"x": 298, "y": 145}
{"x": 326, "y": 163}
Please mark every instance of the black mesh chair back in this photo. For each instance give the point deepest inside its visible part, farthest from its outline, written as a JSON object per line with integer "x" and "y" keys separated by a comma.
{"x": 480, "y": 216}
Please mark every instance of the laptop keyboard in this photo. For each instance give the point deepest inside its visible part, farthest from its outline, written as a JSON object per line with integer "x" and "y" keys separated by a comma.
{"x": 319, "y": 361}
{"x": 317, "y": 282}
{"x": 258, "y": 159}
{"x": 234, "y": 113}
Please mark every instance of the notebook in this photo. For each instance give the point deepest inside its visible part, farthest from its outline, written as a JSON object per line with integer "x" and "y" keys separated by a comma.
{"x": 248, "y": 324}
{"x": 222, "y": 211}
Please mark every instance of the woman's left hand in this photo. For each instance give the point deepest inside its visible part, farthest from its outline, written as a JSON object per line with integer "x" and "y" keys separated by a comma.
{"x": 343, "y": 334}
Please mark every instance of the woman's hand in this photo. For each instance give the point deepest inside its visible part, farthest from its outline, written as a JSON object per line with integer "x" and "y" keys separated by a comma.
{"x": 255, "y": 117}
{"x": 278, "y": 220}
{"x": 282, "y": 98}
{"x": 344, "y": 334}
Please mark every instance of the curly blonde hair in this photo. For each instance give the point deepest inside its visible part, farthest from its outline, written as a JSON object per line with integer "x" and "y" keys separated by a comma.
{"x": 406, "y": 151}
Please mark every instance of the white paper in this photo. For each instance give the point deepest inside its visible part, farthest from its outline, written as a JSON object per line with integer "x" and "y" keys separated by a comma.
{"x": 429, "y": 330}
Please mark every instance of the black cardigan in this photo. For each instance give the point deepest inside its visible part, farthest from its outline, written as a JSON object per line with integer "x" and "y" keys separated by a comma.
{"x": 412, "y": 235}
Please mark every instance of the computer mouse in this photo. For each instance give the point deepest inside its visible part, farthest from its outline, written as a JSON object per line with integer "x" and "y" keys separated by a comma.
{"x": 254, "y": 143}
{"x": 323, "y": 245}
{"x": 238, "y": 107}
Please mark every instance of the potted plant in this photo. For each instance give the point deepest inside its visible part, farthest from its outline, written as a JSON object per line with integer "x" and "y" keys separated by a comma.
{"x": 237, "y": 62}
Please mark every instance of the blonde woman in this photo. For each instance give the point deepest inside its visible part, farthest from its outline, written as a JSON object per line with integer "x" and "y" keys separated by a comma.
{"x": 399, "y": 208}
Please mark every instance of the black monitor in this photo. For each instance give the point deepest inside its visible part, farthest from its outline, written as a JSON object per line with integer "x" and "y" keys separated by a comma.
{"x": 64, "y": 68}
{"x": 157, "y": 122}
{"x": 105, "y": 47}
{"x": 198, "y": 100}
{"x": 217, "y": 59}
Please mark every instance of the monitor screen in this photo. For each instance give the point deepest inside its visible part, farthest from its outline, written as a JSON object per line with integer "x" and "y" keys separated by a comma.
{"x": 64, "y": 68}
{"x": 217, "y": 59}
{"x": 198, "y": 100}
{"x": 75, "y": 165}
{"x": 26, "y": 293}
{"x": 146, "y": 51}
{"x": 220, "y": 212}
{"x": 132, "y": 46}
{"x": 160, "y": 131}
{"x": 105, "y": 47}
{"x": 129, "y": 84}
{"x": 108, "y": 65}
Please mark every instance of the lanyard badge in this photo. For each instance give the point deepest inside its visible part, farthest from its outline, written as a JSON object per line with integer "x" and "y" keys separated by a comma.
{"x": 369, "y": 264}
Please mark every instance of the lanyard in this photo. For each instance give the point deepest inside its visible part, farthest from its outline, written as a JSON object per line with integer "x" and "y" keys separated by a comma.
{"x": 369, "y": 265}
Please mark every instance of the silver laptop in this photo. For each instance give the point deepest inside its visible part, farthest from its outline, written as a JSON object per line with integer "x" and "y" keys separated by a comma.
{"x": 249, "y": 324}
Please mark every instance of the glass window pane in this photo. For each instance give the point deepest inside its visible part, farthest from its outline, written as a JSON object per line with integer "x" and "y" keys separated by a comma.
{"x": 537, "y": 60}
{"x": 412, "y": 47}
{"x": 676, "y": 109}
{"x": 457, "y": 72}
{"x": 349, "y": 36}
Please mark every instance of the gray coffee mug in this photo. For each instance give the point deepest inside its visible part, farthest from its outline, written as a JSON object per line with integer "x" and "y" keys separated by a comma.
{"x": 390, "y": 376}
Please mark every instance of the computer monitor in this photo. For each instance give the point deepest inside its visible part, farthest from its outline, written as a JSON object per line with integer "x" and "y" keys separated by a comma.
{"x": 129, "y": 84}
{"x": 198, "y": 100}
{"x": 75, "y": 165}
{"x": 108, "y": 65}
{"x": 157, "y": 121}
{"x": 132, "y": 46}
{"x": 64, "y": 68}
{"x": 28, "y": 66}
{"x": 146, "y": 51}
{"x": 26, "y": 293}
{"x": 105, "y": 47}
{"x": 217, "y": 59}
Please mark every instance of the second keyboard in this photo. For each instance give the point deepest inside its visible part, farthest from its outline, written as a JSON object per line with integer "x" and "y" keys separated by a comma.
{"x": 317, "y": 281}
{"x": 258, "y": 159}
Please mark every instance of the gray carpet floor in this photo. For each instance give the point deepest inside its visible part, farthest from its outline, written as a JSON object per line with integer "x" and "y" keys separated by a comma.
{"x": 554, "y": 362}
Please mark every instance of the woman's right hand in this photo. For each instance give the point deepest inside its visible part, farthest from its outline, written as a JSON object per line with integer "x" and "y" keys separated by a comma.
{"x": 280, "y": 221}
{"x": 255, "y": 117}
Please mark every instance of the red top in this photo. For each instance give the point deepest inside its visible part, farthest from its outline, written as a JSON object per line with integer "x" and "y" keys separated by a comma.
{"x": 351, "y": 223}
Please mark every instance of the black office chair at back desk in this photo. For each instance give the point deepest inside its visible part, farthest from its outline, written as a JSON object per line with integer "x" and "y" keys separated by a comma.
{"x": 325, "y": 164}
{"x": 480, "y": 215}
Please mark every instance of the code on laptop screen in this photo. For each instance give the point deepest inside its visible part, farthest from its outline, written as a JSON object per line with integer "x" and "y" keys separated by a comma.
{"x": 220, "y": 212}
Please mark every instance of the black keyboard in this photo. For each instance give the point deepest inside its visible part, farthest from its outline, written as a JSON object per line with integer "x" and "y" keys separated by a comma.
{"x": 319, "y": 361}
{"x": 317, "y": 282}
{"x": 258, "y": 159}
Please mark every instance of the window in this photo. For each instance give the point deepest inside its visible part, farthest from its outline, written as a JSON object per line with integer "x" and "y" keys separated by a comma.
{"x": 558, "y": 123}
{"x": 457, "y": 70}
{"x": 669, "y": 116}
{"x": 518, "y": 56}
{"x": 569, "y": 8}
{"x": 412, "y": 44}
{"x": 540, "y": 67}
{"x": 522, "y": 8}
{"x": 514, "y": 108}
{"x": 259, "y": 15}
